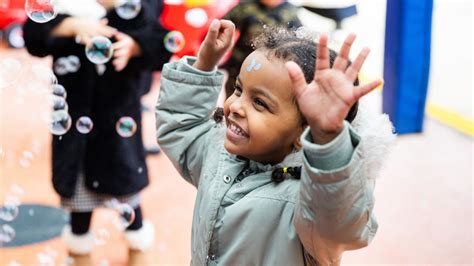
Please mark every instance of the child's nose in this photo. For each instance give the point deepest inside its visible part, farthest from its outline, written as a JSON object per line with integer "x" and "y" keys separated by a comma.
{"x": 237, "y": 108}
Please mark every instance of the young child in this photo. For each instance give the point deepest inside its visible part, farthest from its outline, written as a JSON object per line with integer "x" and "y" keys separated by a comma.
{"x": 90, "y": 169}
{"x": 267, "y": 196}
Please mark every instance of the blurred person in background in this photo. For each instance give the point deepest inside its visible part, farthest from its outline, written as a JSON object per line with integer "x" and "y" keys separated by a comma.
{"x": 249, "y": 18}
{"x": 90, "y": 169}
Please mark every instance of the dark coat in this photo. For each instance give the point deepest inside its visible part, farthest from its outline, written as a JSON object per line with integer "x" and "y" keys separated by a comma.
{"x": 111, "y": 164}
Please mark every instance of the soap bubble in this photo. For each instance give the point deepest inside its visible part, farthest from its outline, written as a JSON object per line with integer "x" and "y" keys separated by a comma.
{"x": 41, "y": 11}
{"x": 125, "y": 211}
{"x": 10, "y": 70}
{"x": 9, "y": 211}
{"x": 84, "y": 124}
{"x": 74, "y": 63}
{"x": 60, "y": 122}
{"x": 174, "y": 41}
{"x": 44, "y": 74}
{"x": 60, "y": 66}
{"x": 196, "y": 17}
{"x": 126, "y": 215}
{"x": 101, "y": 237}
{"x": 99, "y": 50}
{"x": 59, "y": 90}
{"x": 58, "y": 103}
{"x": 7, "y": 233}
{"x": 128, "y": 9}
{"x": 126, "y": 127}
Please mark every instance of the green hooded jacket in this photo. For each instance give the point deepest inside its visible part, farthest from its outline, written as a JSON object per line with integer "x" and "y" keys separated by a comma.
{"x": 240, "y": 216}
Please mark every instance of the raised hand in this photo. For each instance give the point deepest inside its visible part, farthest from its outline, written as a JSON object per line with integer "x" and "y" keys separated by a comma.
{"x": 326, "y": 101}
{"x": 124, "y": 49}
{"x": 219, "y": 39}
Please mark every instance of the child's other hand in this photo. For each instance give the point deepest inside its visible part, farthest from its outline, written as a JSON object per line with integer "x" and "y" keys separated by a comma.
{"x": 124, "y": 49}
{"x": 326, "y": 101}
{"x": 218, "y": 41}
{"x": 86, "y": 29}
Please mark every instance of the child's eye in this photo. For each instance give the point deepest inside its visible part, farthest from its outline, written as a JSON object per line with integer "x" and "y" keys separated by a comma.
{"x": 237, "y": 90}
{"x": 260, "y": 103}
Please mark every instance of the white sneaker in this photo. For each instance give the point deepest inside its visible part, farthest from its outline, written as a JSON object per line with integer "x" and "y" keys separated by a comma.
{"x": 77, "y": 244}
{"x": 143, "y": 238}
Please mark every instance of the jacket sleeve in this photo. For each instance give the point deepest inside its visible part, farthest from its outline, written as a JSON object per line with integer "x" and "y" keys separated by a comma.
{"x": 40, "y": 42}
{"x": 183, "y": 115}
{"x": 334, "y": 209}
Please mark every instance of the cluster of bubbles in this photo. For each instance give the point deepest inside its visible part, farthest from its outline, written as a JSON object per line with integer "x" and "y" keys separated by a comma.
{"x": 128, "y": 9}
{"x": 174, "y": 41}
{"x": 65, "y": 65}
{"x": 126, "y": 127}
{"x": 41, "y": 11}
{"x": 60, "y": 119}
{"x": 8, "y": 212}
{"x": 125, "y": 211}
{"x": 99, "y": 50}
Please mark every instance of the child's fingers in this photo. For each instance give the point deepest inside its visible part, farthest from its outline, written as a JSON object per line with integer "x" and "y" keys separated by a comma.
{"x": 297, "y": 78}
{"x": 322, "y": 60}
{"x": 119, "y": 63}
{"x": 121, "y": 53}
{"x": 353, "y": 70}
{"x": 362, "y": 90}
{"x": 342, "y": 58}
{"x": 228, "y": 30}
{"x": 213, "y": 31}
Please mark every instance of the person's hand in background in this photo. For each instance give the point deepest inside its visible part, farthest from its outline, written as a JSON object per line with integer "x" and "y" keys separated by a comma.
{"x": 124, "y": 48}
{"x": 83, "y": 29}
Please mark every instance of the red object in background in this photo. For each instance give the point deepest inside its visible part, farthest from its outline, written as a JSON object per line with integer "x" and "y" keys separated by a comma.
{"x": 12, "y": 17}
{"x": 173, "y": 18}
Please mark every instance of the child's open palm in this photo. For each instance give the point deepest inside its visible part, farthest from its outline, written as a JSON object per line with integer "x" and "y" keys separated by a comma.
{"x": 326, "y": 101}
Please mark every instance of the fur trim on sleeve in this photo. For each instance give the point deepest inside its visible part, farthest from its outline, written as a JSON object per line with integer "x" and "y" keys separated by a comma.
{"x": 378, "y": 138}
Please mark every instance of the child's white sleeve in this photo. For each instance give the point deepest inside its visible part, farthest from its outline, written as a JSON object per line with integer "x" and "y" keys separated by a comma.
{"x": 183, "y": 115}
{"x": 334, "y": 209}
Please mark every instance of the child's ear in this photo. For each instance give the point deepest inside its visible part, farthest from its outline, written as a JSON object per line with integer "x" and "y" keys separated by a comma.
{"x": 297, "y": 144}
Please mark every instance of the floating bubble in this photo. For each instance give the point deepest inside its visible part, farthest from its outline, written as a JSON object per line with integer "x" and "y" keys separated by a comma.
{"x": 9, "y": 211}
{"x": 74, "y": 63}
{"x": 59, "y": 90}
{"x": 174, "y": 41}
{"x": 126, "y": 127}
{"x": 69, "y": 261}
{"x": 44, "y": 74}
{"x": 60, "y": 122}
{"x": 125, "y": 211}
{"x": 60, "y": 66}
{"x": 101, "y": 236}
{"x": 196, "y": 17}
{"x": 41, "y": 11}
{"x": 7, "y": 233}
{"x": 84, "y": 124}
{"x": 140, "y": 170}
{"x": 126, "y": 215}
{"x": 58, "y": 103}
{"x": 99, "y": 50}
{"x": 10, "y": 70}
{"x": 128, "y": 9}
{"x": 100, "y": 69}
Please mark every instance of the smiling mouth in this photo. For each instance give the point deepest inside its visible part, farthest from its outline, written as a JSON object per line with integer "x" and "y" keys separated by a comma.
{"x": 236, "y": 129}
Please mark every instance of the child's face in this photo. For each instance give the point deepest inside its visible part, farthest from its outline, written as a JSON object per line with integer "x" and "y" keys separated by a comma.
{"x": 263, "y": 122}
